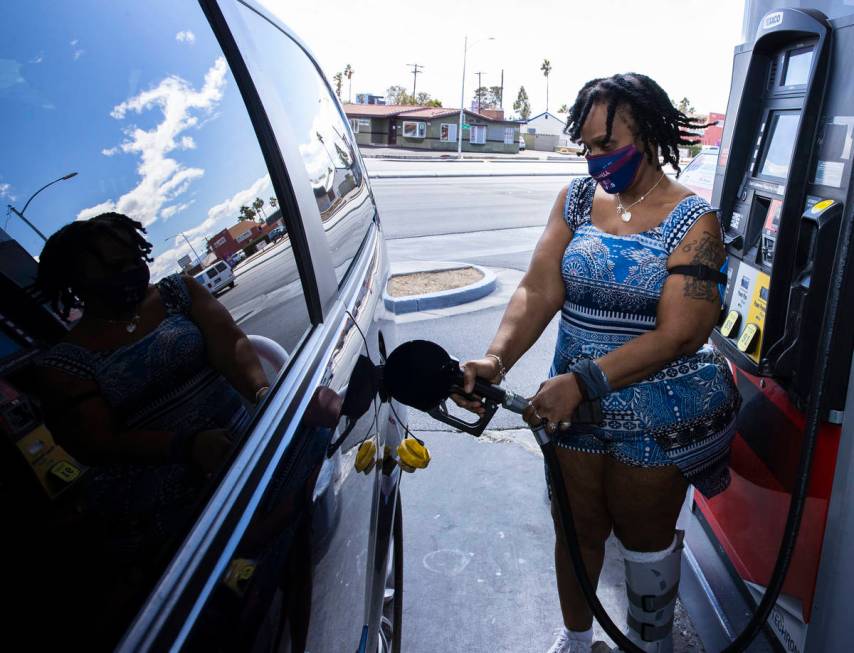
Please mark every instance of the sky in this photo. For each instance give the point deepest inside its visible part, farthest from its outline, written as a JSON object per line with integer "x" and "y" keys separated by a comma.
{"x": 155, "y": 127}
{"x": 685, "y": 45}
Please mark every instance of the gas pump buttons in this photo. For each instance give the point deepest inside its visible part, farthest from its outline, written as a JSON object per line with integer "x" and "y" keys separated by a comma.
{"x": 730, "y": 326}
{"x": 748, "y": 338}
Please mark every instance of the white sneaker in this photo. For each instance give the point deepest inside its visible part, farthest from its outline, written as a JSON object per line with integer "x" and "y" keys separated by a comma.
{"x": 565, "y": 643}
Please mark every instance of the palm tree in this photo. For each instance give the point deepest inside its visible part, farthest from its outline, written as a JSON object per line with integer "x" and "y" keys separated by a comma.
{"x": 258, "y": 205}
{"x": 273, "y": 202}
{"x": 348, "y": 73}
{"x": 246, "y": 213}
{"x": 546, "y": 68}
{"x": 338, "y": 78}
{"x": 563, "y": 109}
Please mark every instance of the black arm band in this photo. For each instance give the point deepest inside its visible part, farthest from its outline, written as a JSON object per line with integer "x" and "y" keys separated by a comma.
{"x": 701, "y": 272}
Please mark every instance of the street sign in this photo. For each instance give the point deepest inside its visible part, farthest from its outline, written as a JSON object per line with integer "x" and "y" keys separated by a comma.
{"x": 184, "y": 262}
{"x": 466, "y": 126}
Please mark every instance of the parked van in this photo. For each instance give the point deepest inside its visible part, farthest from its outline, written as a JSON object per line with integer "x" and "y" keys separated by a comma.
{"x": 289, "y": 537}
{"x": 216, "y": 277}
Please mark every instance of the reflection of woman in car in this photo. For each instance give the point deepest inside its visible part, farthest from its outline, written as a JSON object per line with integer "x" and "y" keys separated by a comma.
{"x": 147, "y": 386}
{"x": 630, "y": 258}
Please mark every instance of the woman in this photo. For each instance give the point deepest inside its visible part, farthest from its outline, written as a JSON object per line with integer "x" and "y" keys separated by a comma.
{"x": 147, "y": 386}
{"x": 631, "y": 259}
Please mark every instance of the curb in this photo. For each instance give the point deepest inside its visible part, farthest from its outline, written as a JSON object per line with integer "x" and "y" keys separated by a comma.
{"x": 443, "y": 298}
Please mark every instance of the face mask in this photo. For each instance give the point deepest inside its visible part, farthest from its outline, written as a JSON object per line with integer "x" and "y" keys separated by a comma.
{"x": 616, "y": 170}
{"x": 123, "y": 290}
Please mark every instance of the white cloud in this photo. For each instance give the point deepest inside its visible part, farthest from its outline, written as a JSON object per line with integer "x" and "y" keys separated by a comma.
{"x": 37, "y": 59}
{"x": 74, "y": 42}
{"x": 6, "y": 192}
{"x": 168, "y": 211}
{"x": 185, "y": 37}
{"x": 163, "y": 179}
{"x": 219, "y": 217}
{"x": 77, "y": 54}
{"x": 98, "y": 209}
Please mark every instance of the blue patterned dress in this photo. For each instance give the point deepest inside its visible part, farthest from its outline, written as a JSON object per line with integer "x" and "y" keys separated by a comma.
{"x": 685, "y": 413}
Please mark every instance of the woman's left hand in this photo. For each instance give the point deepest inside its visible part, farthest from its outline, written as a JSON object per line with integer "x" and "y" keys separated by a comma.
{"x": 554, "y": 402}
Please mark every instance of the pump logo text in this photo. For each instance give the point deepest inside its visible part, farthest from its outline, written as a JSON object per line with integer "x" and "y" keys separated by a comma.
{"x": 772, "y": 20}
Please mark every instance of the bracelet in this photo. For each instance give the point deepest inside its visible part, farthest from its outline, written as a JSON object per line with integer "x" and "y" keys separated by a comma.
{"x": 261, "y": 393}
{"x": 502, "y": 371}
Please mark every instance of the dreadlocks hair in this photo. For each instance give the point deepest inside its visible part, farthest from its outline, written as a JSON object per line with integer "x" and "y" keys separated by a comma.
{"x": 59, "y": 263}
{"x": 657, "y": 121}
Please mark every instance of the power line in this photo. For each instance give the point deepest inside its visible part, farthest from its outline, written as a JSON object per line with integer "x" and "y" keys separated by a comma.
{"x": 416, "y": 68}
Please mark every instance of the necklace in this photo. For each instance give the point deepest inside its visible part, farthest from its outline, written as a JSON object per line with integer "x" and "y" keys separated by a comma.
{"x": 625, "y": 213}
{"x": 130, "y": 325}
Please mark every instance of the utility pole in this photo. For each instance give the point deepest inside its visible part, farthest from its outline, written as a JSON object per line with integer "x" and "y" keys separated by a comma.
{"x": 501, "y": 97}
{"x": 478, "y": 93}
{"x": 416, "y": 68}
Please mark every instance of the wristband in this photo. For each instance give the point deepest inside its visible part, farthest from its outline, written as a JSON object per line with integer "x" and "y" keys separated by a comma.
{"x": 591, "y": 379}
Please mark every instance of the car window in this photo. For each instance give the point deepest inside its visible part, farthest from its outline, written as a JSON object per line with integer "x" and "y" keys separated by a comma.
{"x": 220, "y": 267}
{"x": 127, "y": 433}
{"x": 211, "y": 273}
{"x": 335, "y": 171}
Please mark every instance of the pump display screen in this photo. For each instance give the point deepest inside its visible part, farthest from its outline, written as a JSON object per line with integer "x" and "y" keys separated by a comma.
{"x": 798, "y": 67}
{"x": 781, "y": 140}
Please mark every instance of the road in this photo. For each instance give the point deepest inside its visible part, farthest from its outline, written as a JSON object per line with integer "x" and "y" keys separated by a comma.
{"x": 572, "y": 165}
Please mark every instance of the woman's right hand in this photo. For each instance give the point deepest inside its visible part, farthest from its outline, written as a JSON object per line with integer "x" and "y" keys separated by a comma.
{"x": 485, "y": 368}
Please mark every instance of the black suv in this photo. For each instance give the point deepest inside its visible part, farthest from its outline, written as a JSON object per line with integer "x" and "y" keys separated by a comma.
{"x": 181, "y": 114}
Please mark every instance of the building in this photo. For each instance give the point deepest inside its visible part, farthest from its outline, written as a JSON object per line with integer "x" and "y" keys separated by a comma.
{"x": 545, "y": 133}
{"x": 545, "y": 123}
{"x": 368, "y": 98}
{"x": 432, "y": 128}
{"x": 712, "y": 134}
{"x": 246, "y": 235}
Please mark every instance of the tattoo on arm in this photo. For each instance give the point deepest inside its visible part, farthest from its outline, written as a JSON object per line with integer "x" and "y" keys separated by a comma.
{"x": 708, "y": 251}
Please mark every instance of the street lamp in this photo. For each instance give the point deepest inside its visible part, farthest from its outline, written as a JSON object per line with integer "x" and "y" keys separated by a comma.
{"x": 184, "y": 236}
{"x": 466, "y": 48}
{"x": 20, "y": 213}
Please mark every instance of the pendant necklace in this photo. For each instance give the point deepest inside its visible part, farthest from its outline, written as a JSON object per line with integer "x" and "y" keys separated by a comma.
{"x": 130, "y": 325}
{"x": 625, "y": 213}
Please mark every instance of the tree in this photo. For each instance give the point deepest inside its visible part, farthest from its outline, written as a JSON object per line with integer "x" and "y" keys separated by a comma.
{"x": 246, "y": 213}
{"x": 488, "y": 97}
{"x": 273, "y": 202}
{"x": 547, "y": 69}
{"x": 424, "y": 100}
{"x": 522, "y": 106}
{"x": 685, "y": 107}
{"x": 258, "y": 205}
{"x": 338, "y": 78}
{"x": 563, "y": 109}
{"x": 398, "y": 95}
{"x": 348, "y": 73}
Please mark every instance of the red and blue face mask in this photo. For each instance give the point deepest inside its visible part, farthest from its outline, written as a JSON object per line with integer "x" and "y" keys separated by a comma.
{"x": 616, "y": 170}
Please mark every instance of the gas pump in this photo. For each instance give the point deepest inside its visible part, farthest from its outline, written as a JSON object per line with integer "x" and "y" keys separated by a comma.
{"x": 784, "y": 188}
